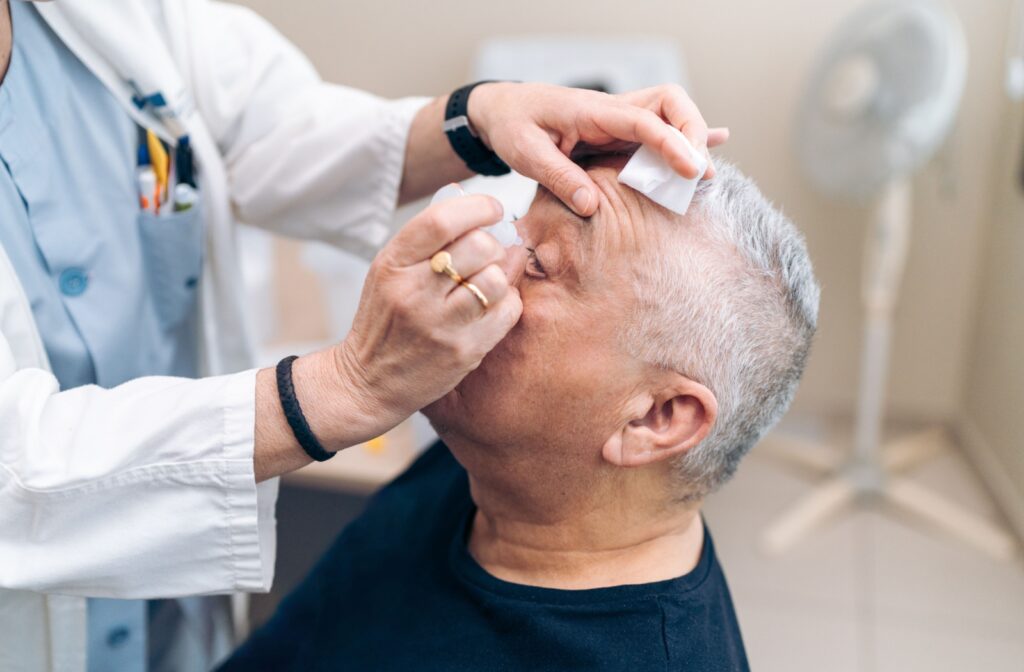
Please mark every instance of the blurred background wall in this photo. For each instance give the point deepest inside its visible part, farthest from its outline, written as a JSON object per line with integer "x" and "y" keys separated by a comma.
{"x": 958, "y": 332}
{"x": 992, "y": 420}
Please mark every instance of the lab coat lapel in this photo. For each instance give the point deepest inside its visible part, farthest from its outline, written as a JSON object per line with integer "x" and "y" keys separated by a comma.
{"x": 120, "y": 42}
{"x": 128, "y": 46}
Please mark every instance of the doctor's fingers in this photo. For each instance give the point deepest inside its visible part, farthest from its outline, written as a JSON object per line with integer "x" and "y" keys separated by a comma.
{"x": 718, "y": 135}
{"x": 634, "y": 123}
{"x": 469, "y": 255}
{"x": 490, "y": 285}
{"x": 475, "y": 251}
{"x": 537, "y": 157}
{"x": 437, "y": 226}
{"x": 672, "y": 104}
{"x": 679, "y": 110}
{"x": 491, "y": 326}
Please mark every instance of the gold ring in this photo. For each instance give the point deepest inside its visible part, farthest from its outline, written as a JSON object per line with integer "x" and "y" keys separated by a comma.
{"x": 442, "y": 263}
{"x": 475, "y": 291}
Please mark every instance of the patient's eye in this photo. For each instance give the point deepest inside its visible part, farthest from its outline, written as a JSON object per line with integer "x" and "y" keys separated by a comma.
{"x": 534, "y": 268}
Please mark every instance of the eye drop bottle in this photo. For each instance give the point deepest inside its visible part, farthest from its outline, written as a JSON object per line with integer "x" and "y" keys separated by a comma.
{"x": 504, "y": 231}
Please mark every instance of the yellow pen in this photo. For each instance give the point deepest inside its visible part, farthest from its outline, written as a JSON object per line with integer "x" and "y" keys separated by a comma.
{"x": 161, "y": 164}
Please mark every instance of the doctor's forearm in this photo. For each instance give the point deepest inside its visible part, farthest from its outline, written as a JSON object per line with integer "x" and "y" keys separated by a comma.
{"x": 332, "y": 402}
{"x": 430, "y": 162}
{"x": 276, "y": 451}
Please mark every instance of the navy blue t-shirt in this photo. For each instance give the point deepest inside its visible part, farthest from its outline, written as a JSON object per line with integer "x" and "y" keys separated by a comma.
{"x": 399, "y": 590}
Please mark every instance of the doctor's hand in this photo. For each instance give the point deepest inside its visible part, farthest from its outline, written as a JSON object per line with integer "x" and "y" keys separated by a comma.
{"x": 536, "y": 128}
{"x": 418, "y": 332}
{"x": 416, "y": 335}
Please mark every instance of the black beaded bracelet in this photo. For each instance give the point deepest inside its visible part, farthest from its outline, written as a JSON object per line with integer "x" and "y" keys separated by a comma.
{"x": 293, "y": 412}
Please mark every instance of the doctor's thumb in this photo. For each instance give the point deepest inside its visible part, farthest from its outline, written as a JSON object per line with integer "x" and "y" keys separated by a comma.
{"x": 542, "y": 161}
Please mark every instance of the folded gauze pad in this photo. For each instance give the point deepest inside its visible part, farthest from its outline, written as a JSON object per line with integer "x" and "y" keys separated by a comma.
{"x": 647, "y": 172}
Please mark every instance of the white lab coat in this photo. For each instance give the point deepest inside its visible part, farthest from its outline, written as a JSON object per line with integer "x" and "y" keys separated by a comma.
{"x": 147, "y": 489}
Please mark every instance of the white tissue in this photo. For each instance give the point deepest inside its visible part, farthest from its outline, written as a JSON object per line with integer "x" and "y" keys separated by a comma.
{"x": 505, "y": 230}
{"x": 647, "y": 172}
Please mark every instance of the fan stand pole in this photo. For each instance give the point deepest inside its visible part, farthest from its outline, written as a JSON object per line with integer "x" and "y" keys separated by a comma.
{"x": 873, "y": 471}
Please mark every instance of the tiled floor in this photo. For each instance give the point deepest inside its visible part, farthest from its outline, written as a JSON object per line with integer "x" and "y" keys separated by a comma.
{"x": 869, "y": 591}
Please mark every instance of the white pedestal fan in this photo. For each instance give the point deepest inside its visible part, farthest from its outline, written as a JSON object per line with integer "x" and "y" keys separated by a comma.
{"x": 879, "y": 104}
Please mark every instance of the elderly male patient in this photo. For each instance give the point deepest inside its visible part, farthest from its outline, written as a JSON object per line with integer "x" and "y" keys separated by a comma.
{"x": 558, "y": 524}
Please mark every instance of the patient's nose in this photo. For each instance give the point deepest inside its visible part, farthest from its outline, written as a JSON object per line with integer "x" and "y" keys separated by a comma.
{"x": 515, "y": 262}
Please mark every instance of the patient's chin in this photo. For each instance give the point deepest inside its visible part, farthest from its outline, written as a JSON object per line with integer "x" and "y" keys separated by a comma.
{"x": 470, "y": 411}
{"x": 451, "y": 415}
{"x": 441, "y": 413}
{"x": 483, "y": 406}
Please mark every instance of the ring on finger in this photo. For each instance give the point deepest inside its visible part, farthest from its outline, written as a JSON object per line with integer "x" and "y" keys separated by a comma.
{"x": 475, "y": 291}
{"x": 441, "y": 263}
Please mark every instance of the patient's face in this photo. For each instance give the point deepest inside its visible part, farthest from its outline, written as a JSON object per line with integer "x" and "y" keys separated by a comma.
{"x": 561, "y": 379}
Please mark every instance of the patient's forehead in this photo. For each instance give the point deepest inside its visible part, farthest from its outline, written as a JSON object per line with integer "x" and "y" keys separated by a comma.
{"x": 613, "y": 161}
{"x": 626, "y": 221}
{"x": 616, "y": 200}
{"x": 626, "y": 227}
{"x": 604, "y": 169}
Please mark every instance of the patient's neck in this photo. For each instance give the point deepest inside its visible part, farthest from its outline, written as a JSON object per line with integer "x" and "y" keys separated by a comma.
{"x": 540, "y": 532}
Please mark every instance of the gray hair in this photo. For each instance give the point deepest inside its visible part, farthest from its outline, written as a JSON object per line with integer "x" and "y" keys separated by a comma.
{"x": 734, "y": 307}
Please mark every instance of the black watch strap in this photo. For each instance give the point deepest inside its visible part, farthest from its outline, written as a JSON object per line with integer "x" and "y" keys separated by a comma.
{"x": 293, "y": 412}
{"x": 470, "y": 149}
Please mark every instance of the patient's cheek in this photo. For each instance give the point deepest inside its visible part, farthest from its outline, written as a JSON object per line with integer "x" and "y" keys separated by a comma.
{"x": 514, "y": 352}
{"x": 546, "y": 321}
{"x": 510, "y": 346}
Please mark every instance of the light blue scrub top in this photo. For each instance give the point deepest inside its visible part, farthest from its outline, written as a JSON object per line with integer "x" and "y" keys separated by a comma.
{"x": 112, "y": 289}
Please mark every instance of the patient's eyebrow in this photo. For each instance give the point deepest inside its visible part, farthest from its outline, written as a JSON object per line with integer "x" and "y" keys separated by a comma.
{"x": 582, "y": 223}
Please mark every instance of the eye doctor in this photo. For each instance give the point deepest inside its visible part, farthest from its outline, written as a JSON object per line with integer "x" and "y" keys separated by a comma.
{"x": 138, "y": 450}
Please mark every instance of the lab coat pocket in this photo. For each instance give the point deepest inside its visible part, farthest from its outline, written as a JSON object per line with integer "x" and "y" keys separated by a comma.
{"x": 173, "y": 253}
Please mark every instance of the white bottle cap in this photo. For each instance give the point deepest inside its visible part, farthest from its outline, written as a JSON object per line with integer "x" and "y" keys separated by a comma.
{"x": 506, "y": 233}
{"x": 647, "y": 172}
{"x": 447, "y": 192}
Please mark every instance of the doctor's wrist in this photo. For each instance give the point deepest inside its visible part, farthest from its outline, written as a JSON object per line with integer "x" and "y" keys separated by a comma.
{"x": 335, "y": 405}
{"x": 481, "y": 102}
{"x": 336, "y": 398}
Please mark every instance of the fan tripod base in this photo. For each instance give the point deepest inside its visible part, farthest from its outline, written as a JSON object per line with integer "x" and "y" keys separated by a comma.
{"x": 854, "y": 483}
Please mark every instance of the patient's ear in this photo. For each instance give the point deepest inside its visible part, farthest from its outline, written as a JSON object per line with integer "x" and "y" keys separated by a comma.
{"x": 678, "y": 418}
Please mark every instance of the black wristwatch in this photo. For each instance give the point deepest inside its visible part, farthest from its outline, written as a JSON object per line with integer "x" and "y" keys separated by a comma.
{"x": 470, "y": 149}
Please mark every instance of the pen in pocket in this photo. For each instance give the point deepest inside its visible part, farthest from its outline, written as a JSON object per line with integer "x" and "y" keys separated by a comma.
{"x": 148, "y": 191}
{"x": 145, "y": 176}
{"x": 161, "y": 163}
{"x": 185, "y": 195}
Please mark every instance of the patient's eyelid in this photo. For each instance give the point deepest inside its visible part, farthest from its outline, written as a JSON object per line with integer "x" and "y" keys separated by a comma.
{"x": 534, "y": 268}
